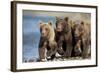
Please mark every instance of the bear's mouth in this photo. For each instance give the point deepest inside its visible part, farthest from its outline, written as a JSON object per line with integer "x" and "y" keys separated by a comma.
{"x": 58, "y": 29}
{"x": 76, "y": 35}
{"x": 43, "y": 35}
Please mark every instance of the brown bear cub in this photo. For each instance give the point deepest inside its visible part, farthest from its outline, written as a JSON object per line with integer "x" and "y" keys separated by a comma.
{"x": 47, "y": 44}
{"x": 63, "y": 37}
{"x": 81, "y": 34}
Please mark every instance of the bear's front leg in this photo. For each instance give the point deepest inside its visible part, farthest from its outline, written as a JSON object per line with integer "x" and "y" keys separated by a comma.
{"x": 42, "y": 54}
{"x": 60, "y": 48}
{"x": 42, "y": 48}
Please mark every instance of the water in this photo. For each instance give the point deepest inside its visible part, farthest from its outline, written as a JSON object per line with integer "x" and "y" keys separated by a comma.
{"x": 31, "y": 35}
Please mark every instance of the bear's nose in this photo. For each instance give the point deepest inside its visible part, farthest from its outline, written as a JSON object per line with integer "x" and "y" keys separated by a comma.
{"x": 59, "y": 28}
{"x": 43, "y": 31}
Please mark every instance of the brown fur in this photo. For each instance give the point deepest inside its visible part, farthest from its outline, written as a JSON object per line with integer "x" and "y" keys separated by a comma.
{"x": 81, "y": 31}
{"x": 47, "y": 40}
{"x": 63, "y": 36}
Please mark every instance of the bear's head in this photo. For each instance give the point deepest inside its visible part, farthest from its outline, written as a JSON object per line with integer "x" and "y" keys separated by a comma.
{"x": 61, "y": 24}
{"x": 78, "y": 29}
{"x": 45, "y": 29}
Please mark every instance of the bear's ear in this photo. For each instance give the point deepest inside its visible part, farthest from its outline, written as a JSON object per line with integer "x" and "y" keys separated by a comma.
{"x": 50, "y": 23}
{"x": 66, "y": 19}
{"x": 57, "y": 18}
{"x": 82, "y": 23}
{"x": 40, "y": 24}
